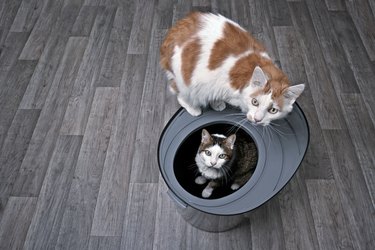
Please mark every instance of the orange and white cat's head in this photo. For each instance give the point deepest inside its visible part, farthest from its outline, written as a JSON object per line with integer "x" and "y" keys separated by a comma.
{"x": 266, "y": 100}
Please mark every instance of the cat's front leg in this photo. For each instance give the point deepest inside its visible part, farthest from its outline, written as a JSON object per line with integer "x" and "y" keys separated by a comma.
{"x": 194, "y": 111}
{"x": 207, "y": 192}
{"x": 209, "y": 189}
{"x": 238, "y": 183}
{"x": 234, "y": 186}
{"x": 200, "y": 180}
{"x": 218, "y": 105}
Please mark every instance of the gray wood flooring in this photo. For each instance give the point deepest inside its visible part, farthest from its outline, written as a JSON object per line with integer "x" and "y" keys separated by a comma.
{"x": 83, "y": 102}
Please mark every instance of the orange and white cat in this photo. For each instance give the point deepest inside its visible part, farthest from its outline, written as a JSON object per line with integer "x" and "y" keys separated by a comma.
{"x": 211, "y": 60}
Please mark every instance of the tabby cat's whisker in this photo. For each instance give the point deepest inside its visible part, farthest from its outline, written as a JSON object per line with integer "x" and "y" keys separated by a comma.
{"x": 224, "y": 174}
{"x": 196, "y": 172}
{"x": 225, "y": 170}
{"x": 228, "y": 172}
{"x": 194, "y": 165}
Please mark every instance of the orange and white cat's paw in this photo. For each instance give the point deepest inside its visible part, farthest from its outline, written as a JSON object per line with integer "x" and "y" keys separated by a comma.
{"x": 200, "y": 180}
{"x": 194, "y": 111}
{"x": 190, "y": 109}
{"x": 234, "y": 186}
{"x": 207, "y": 192}
{"x": 218, "y": 105}
{"x": 173, "y": 87}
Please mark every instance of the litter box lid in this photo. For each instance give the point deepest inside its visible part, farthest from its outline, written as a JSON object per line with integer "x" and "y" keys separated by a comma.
{"x": 281, "y": 148}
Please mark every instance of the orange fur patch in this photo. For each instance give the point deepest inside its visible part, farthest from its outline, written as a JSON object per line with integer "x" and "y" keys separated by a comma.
{"x": 176, "y": 36}
{"x": 235, "y": 41}
{"x": 277, "y": 83}
{"x": 189, "y": 58}
{"x": 241, "y": 73}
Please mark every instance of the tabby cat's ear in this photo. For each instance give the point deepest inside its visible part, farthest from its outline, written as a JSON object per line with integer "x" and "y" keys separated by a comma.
{"x": 206, "y": 137}
{"x": 258, "y": 79}
{"x": 293, "y": 92}
{"x": 229, "y": 142}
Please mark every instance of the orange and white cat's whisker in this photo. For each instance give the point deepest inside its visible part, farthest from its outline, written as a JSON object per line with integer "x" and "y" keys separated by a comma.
{"x": 274, "y": 124}
{"x": 278, "y": 130}
{"x": 237, "y": 126}
{"x": 269, "y": 136}
{"x": 279, "y": 127}
{"x": 235, "y": 115}
{"x": 241, "y": 123}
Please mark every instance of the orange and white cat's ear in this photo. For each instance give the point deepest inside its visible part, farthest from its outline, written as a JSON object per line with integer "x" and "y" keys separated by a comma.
{"x": 258, "y": 79}
{"x": 206, "y": 137}
{"x": 229, "y": 142}
{"x": 293, "y": 92}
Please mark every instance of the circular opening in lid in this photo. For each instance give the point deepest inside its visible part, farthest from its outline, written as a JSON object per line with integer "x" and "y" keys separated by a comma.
{"x": 186, "y": 170}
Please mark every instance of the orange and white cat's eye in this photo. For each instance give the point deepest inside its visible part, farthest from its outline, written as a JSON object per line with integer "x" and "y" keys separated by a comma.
{"x": 208, "y": 153}
{"x": 222, "y": 156}
{"x": 273, "y": 110}
{"x": 255, "y": 102}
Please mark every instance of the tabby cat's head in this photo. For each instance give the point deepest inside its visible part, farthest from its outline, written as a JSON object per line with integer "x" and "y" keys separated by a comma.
{"x": 215, "y": 150}
{"x": 267, "y": 100}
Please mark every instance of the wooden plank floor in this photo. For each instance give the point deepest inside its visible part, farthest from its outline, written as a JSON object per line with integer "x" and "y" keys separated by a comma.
{"x": 83, "y": 102}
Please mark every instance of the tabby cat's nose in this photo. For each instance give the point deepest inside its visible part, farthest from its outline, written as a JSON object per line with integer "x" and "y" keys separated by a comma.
{"x": 213, "y": 163}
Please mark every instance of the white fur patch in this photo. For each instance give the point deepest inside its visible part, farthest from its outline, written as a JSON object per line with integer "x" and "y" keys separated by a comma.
{"x": 235, "y": 186}
{"x": 219, "y": 136}
{"x": 176, "y": 67}
{"x": 200, "y": 180}
{"x": 207, "y": 192}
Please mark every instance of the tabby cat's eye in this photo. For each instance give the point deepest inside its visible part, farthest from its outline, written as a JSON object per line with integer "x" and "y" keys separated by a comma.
{"x": 208, "y": 153}
{"x": 273, "y": 110}
{"x": 222, "y": 156}
{"x": 254, "y": 102}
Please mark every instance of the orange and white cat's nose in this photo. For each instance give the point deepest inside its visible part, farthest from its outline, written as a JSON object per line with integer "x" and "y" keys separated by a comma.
{"x": 258, "y": 117}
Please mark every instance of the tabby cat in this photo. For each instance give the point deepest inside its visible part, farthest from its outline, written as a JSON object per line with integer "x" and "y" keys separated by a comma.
{"x": 224, "y": 160}
{"x": 211, "y": 60}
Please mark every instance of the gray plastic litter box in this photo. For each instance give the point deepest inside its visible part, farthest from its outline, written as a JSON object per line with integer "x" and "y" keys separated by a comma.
{"x": 281, "y": 148}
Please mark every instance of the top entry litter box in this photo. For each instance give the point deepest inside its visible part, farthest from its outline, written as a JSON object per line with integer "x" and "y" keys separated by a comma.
{"x": 281, "y": 148}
